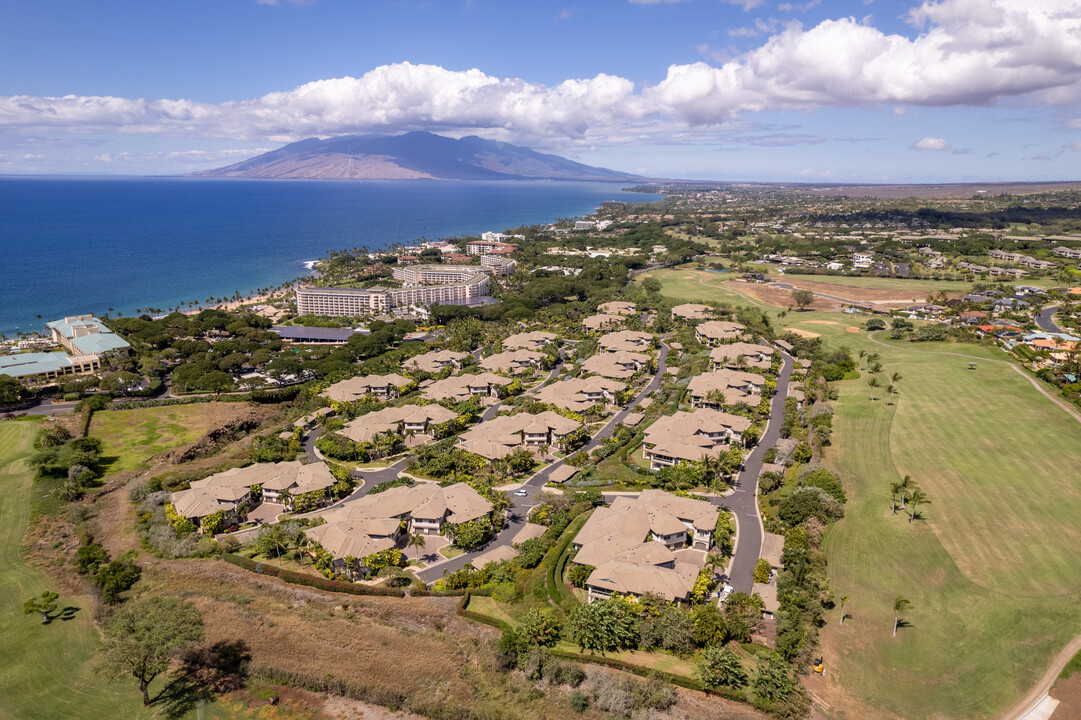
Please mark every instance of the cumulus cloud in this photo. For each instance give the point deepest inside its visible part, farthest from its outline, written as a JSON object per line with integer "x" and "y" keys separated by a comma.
{"x": 930, "y": 143}
{"x": 965, "y": 52}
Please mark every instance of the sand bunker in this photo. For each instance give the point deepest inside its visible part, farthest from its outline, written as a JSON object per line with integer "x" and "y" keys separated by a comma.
{"x": 852, "y": 329}
{"x": 803, "y": 333}
{"x": 817, "y": 322}
{"x": 688, "y": 277}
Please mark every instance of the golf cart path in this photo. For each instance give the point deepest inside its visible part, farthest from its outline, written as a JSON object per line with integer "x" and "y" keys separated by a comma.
{"x": 1036, "y": 695}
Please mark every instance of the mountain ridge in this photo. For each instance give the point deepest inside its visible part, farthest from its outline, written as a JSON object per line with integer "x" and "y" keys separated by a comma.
{"x": 409, "y": 156}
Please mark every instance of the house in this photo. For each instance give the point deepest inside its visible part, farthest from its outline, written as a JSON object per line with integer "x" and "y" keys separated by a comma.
{"x": 513, "y": 362}
{"x": 384, "y": 387}
{"x": 626, "y": 340}
{"x": 1067, "y": 252}
{"x": 619, "y": 365}
{"x": 725, "y": 387}
{"x": 595, "y": 323}
{"x": 973, "y": 317}
{"x": 768, "y": 593}
{"x": 636, "y": 545}
{"x": 85, "y": 335}
{"x": 228, "y": 490}
{"x": 580, "y": 394}
{"x": 464, "y": 387}
{"x": 535, "y": 340}
{"x": 715, "y": 332}
{"x": 437, "y": 360}
{"x": 496, "y": 438}
{"x": 690, "y": 437}
{"x": 753, "y": 355}
{"x": 692, "y": 311}
{"x": 617, "y": 307}
{"x": 772, "y": 549}
{"x": 405, "y": 420}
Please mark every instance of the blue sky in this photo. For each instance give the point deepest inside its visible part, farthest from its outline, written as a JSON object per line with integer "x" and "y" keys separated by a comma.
{"x": 837, "y": 90}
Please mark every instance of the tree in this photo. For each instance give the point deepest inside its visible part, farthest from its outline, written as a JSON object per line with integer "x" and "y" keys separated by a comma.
{"x": 843, "y": 600}
{"x": 872, "y": 383}
{"x": 416, "y": 541}
{"x": 274, "y": 537}
{"x": 916, "y": 497}
{"x": 143, "y": 635}
{"x": 895, "y": 490}
{"x": 540, "y": 627}
{"x": 900, "y": 604}
{"x": 803, "y": 298}
{"x": 116, "y": 577}
{"x": 44, "y": 605}
{"x": 762, "y": 571}
{"x": 721, "y": 666}
{"x": 906, "y": 484}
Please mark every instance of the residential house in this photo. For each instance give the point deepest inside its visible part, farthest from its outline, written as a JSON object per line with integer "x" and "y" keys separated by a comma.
{"x": 617, "y": 307}
{"x": 626, "y": 341}
{"x": 496, "y": 438}
{"x": 690, "y": 437}
{"x": 513, "y": 362}
{"x": 437, "y": 361}
{"x": 636, "y": 545}
{"x": 535, "y": 340}
{"x": 1068, "y": 252}
{"x": 463, "y": 387}
{"x": 279, "y": 482}
{"x": 715, "y": 332}
{"x": 405, "y": 420}
{"x": 620, "y": 365}
{"x": 596, "y": 323}
{"x": 383, "y": 387}
{"x": 692, "y": 311}
{"x": 580, "y": 394}
{"x": 753, "y": 355}
{"x": 725, "y": 387}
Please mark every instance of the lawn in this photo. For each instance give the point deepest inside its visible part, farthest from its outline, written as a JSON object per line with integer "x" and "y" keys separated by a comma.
{"x": 132, "y": 436}
{"x": 992, "y": 570}
{"x": 688, "y": 285}
{"x": 48, "y": 669}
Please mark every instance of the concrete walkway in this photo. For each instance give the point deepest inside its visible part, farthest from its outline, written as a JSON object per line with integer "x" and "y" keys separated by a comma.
{"x": 743, "y": 503}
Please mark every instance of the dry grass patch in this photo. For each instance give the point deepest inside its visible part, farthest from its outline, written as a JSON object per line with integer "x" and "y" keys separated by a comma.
{"x": 802, "y": 333}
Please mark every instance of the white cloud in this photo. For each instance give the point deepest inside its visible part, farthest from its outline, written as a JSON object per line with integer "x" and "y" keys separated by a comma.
{"x": 745, "y": 4}
{"x": 930, "y": 143}
{"x": 761, "y": 27}
{"x": 968, "y": 52}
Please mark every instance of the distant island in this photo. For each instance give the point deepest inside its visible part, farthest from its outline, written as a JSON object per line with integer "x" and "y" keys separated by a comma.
{"x": 412, "y": 156}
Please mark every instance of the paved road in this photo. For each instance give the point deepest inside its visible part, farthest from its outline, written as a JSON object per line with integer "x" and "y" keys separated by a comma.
{"x": 48, "y": 408}
{"x": 744, "y": 501}
{"x": 519, "y": 511}
{"x": 1045, "y": 321}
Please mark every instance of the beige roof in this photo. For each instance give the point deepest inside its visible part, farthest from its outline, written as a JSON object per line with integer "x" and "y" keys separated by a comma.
{"x": 619, "y": 365}
{"x": 598, "y": 322}
{"x": 458, "y": 388}
{"x": 435, "y": 361}
{"x": 725, "y": 380}
{"x": 692, "y": 311}
{"x": 750, "y": 351}
{"x": 617, "y": 307}
{"x": 771, "y": 467}
{"x": 719, "y": 330}
{"x": 629, "y": 340}
{"x": 772, "y": 547}
{"x": 425, "y": 500}
{"x": 357, "y": 387}
{"x": 562, "y": 474}
{"x": 572, "y": 394}
{"x": 695, "y": 427}
{"x": 200, "y": 502}
{"x": 357, "y": 539}
{"x": 633, "y": 419}
{"x": 222, "y": 490}
{"x": 529, "y": 340}
{"x": 508, "y": 429}
{"x": 768, "y": 593}
{"x": 529, "y": 531}
{"x": 512, "y": 361}
{"x": 672, "y": 580}
{"x": 495, "y": 555}
{"x": 392, "y": 419}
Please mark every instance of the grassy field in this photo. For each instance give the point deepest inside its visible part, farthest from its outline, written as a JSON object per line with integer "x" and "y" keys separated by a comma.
{"x": 48, "y": 670}
{"x": 132, "y": 436}
{"x": 992, "y": 569}
{"x": 695, "y": 285}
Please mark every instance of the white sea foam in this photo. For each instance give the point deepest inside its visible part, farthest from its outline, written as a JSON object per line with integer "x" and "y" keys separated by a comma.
{"x": 310, "y": 264}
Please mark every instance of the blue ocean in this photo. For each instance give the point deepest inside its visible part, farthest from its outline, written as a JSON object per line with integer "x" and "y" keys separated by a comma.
{"x": 103, "y": 245}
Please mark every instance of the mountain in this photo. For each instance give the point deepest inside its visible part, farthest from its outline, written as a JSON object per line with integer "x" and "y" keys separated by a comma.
{"x": 414, "y": 155}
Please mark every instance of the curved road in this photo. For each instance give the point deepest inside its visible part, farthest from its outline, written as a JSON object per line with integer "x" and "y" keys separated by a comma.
{"x": 1045, "y": 319}
{"x": 519, "y": 511}
{"x": 744, "y": 501}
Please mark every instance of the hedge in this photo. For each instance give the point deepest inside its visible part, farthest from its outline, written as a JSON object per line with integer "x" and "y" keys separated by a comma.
{"x": 314, "y": 581}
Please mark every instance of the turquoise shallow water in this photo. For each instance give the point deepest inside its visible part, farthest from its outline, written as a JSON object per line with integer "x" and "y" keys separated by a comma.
{"x": 69, "y": 246}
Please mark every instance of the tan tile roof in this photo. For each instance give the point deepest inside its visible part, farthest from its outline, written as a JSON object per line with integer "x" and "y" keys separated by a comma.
{"x": 528, "y": 340}
{"x": 391, "y": 419}
{"x": 772, "y": 547}
{"x": 694, "y": 427}
{"x": 768, "y": 593}
{"x": 344, "y": 539}
{"x": 637, "y": 578}
{"x": 529, "y": 531}
{"x": 618, "y": 365}
{"x": 436, "y": 360}
{"x": 495, "y": 555}
{"x": 457, "y": 388}
{"x": 755, "y": 351}
{"x": 357, "y": 387}
{"x": 617, "y": 307}
{"x": 702, "y": 385}
{"x": 629, "y": 340}
{"x": 692, "y": 311}
{"x": 598, "y": 322}
{"x": 562, "y": 474}
{"x": 512, "y": 360}
{"x": 571, "y": 394}
{"x": 719, "y": 330}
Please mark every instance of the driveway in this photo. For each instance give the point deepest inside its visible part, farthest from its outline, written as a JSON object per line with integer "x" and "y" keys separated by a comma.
{"x": 519, "y": 511}
{"x": 1045, "y": 319}
{"x": 744, "y": 501}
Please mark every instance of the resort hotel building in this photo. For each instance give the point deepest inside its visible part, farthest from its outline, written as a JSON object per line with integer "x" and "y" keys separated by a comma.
{"x": 422, "y": 285}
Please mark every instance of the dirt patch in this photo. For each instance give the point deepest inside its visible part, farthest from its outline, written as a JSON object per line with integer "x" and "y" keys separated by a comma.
{"x": 777, "y": 296}
{"x": 817, "y": 322}
{"x": 803, "y": 333}
{"x": 852, "y": 329}
{"x": 688, "y": 277}
{"x": 899, "y": 294}
{"x": 243, "y": 422}
{"x": 1068, "y": 694}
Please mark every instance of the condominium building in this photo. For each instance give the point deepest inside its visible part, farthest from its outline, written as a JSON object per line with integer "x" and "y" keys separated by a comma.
{"x": 455, "y": 286}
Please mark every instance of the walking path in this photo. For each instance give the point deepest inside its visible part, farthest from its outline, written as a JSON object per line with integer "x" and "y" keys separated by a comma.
{"x": 743, "y": 503}
{"x": 1029, "y": 706}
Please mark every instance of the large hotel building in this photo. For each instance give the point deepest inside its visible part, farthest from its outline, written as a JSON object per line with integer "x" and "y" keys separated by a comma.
{"x": 424, "y": 285}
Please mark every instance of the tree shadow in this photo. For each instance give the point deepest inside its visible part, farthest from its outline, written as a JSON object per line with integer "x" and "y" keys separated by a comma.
{"x": 203, "y": 673}
{"x": 65, "y": 614}
{"x": 902, "y": 624}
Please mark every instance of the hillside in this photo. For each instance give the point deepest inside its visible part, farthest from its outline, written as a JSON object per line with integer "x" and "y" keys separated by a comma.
{"x": 414, "y": 155}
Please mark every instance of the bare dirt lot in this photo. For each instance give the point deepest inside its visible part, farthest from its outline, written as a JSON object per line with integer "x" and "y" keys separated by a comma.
{"x": 779, "y": 297}
{"x": 802, "y": 333}
{"x": 1068, "y": 693}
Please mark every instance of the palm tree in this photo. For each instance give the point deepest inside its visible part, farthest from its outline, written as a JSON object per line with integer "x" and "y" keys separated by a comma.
{"x": 863, "y": 354}
{"x": 900, "y": 604}
{"x": 917, "y": 497}
{"x": 895, "y": 490}
{"x": 873, "y": 383}
{"x": 416, "y": 541}
{"x": 844, "y": 599}
{"x": 277, "y": 538}
{"x": 894, "y": 377}
{"x": 906, "y": 484}
{"x": 890, "y": 392}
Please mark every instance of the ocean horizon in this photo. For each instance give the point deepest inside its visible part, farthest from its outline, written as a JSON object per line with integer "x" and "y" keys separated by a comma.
{"x": 74, "y": 245}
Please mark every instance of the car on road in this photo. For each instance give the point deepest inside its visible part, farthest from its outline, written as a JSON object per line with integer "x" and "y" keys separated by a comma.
{"x": 726, "y": 591}
{"x": 521, "y": 492}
